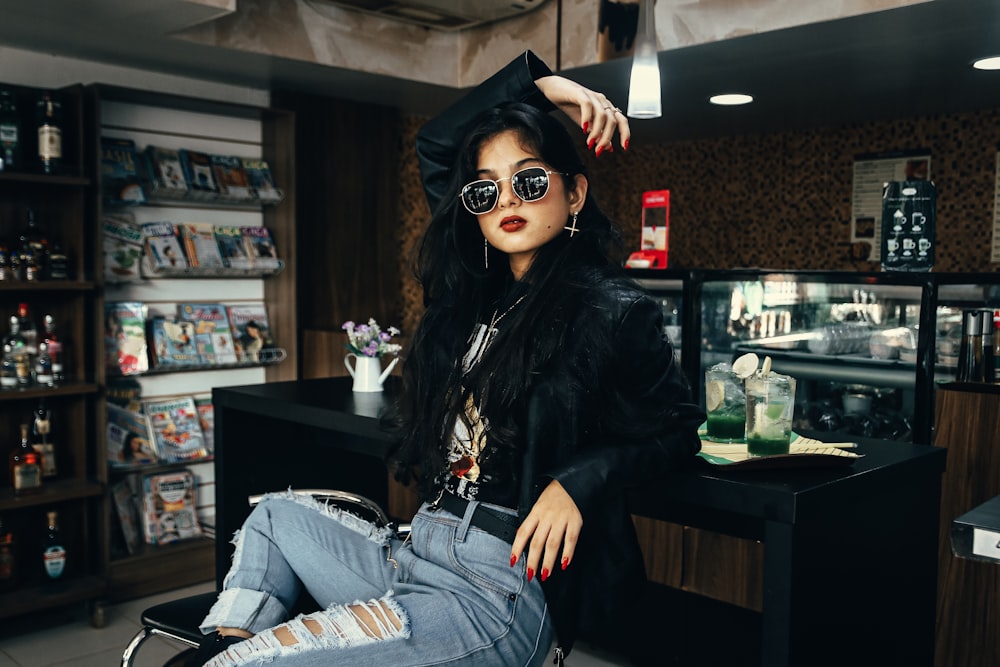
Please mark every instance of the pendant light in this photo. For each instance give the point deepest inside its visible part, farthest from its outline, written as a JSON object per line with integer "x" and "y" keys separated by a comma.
{"x": 644, "y": 84}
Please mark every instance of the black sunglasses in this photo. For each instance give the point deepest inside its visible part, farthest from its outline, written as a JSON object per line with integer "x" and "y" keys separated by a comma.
{"x": 528, "y": 184}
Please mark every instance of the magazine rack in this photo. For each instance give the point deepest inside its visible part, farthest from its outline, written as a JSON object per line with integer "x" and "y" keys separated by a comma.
{"x": 209, "y": 271}
{"x": 178, "y": 620}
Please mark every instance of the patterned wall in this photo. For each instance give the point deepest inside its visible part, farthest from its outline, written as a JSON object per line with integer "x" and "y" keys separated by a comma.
{"x": 780, "y": 201}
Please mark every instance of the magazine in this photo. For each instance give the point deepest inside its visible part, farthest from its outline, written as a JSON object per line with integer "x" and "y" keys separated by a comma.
{"x": 231, "y": 178}
{"x": 198, "y": 173}
{"x": 173, "y": 343}
{"x": 169, "y": 513}
{"x": 125, "y": 338}
{"x": 260, "y": 247}
{"x": 127, "y": 438}
{"x": 231, "y": 247}
{"x": 206, "y": 416}
{"x": 211, "y": 331}
{"x": 174, "y": 429}
{"x": 166, "y": 175}
{"x": 251, "y": 331}
{"x": 119, "y": 172}
{"x": 122, "y": 248}
{"x": 127, "y": 510}
{"x": 200, "y": 246}
{"x": 163, "y": 246}
{"x": 259, "y": 177}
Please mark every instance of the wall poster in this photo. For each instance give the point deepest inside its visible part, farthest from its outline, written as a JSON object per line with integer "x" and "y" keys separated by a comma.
{"x": 871, "y": 172}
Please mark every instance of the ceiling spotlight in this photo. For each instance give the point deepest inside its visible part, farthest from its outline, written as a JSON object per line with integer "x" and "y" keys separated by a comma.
{"x": 731, "y": 99}
{"x": 987, "y": 63}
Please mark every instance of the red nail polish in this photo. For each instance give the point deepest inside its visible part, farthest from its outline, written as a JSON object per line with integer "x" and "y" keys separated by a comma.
{"x": 590, "y": 144}
{"x": 531, "y": 573}
{"x": 611, "y": 149}
{"x": 513, "y": 560}
{"x": 600, "y": 149}
{"x": 565, "y": 562}
{"x": 625, "y": 145}
{"x": 545, "y": 574}
{"x": 586, "y": 126}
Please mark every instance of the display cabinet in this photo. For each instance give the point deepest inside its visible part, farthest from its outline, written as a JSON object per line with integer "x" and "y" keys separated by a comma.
{"x": 867, "y": 349}
{"x": 60, "y": 204}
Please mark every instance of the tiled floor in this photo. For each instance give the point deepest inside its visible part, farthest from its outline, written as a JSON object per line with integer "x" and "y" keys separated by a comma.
{"x": 70, "y": 641}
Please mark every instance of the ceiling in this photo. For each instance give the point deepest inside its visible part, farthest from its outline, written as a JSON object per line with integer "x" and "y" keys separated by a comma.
{"x": 889, "y": 64}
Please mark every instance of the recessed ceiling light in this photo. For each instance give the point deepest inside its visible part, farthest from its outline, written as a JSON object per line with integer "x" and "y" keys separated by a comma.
{"x": 987, "y": 63}
{"x": 731, "y": 99}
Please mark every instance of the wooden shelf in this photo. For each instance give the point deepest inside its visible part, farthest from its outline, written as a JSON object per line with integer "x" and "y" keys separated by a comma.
{"x": 59, "y": 593}
{"x": 35, "y": 392}
{"x": 51, "y": 492}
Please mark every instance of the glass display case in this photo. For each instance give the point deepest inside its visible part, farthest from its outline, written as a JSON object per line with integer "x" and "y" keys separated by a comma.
{"x": 866, "y": 348}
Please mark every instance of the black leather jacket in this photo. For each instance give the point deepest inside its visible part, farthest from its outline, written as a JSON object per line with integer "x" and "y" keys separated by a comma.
{"x": 574, "y": 430}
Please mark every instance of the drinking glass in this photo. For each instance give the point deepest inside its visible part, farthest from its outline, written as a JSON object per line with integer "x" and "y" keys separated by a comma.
{"x": 725, "y": 404}
{"x": 770, "y": 405}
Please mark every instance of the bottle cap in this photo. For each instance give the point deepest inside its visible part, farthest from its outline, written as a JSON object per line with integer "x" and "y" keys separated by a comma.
{"x": 972, "y": 323}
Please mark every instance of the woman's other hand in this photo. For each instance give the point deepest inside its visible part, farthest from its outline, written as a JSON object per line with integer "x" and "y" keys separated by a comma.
{"x": 549, "y": 533}
{"x": 594, "y": 113}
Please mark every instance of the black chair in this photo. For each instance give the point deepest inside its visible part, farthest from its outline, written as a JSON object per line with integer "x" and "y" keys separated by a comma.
{"x": 178, "y": 620}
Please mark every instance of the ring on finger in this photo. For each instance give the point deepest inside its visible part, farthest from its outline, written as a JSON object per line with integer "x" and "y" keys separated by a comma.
{"x": 613, "y": 110}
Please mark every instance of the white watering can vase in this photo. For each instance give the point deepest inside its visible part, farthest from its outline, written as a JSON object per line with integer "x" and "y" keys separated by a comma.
{"x": 367, "y": 371}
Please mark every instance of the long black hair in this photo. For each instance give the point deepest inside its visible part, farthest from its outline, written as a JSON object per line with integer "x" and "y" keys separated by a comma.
{"x": 462, "y": 288}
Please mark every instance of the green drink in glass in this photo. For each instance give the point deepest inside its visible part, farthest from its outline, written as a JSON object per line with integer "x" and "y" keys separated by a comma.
{"x": 770, "y": 406}
{"x": 725, "y": 404}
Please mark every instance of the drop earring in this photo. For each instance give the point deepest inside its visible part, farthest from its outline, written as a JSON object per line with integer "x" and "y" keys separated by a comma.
{"x": 572, "y": 228}
{"x": 486, "y": 253}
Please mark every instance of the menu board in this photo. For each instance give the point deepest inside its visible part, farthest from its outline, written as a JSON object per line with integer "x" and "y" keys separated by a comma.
{"x": 871, "y": 172}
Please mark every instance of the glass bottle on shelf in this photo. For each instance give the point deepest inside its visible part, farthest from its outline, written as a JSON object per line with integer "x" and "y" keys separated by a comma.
{"x": 53, "y": 549}
{"x": 25, "y": 466}
{"x": 6, "y": 268}
{"x": 10, "y": 148}
{"x": 8, "y": 369}
{"x": 7, "y": 570}
{"x": 48, "y": 114}
{"x": 33, "y": 243}
{"x": 26, "y": 324}
{"x": 58, "y": 268}
{"x": 41, "y": 428}
{"x": 55, "y": 348}
{"x": 43, "y": 367}
{"x": 18, "y": 352}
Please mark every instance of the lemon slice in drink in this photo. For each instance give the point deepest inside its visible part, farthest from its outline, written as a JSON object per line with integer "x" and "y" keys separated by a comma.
{"x": 765, "y": 368}
{"x": 774, "y": 410}
{"x": 714, "y": 393}
{"x": 745, "y": 366}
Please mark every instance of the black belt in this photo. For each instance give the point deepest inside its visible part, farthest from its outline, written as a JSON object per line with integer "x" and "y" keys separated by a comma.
{"x": 493, "y": 522}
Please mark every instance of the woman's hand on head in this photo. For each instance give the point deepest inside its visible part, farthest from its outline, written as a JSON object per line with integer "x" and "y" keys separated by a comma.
{"x": 594, "y": 113}
{"x": 549, "y": 533}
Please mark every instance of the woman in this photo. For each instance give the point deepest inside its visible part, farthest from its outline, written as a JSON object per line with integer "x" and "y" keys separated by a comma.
{"x": 538, "y": 387}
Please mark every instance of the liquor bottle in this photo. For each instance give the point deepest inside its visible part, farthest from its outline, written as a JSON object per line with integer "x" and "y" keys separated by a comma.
{"x": 43, "y": 367}
{"x": 33, "y": 245}
{"x": 58, "y": 268}
{"x": 19, "y": 352}
{"x": 41, "y": 428}
{"x": 53, "y": 549}
{"x": 50, "y": 338}
{"x": 6, "y": 268}
{"x": 48, "y": 113}
{"x": 10, "y": 148}
{"x": 26, "y": 324}
{"x": 7, "y": 570}
{"x": 8, "y": 369}
{"x": 25, "y": 466}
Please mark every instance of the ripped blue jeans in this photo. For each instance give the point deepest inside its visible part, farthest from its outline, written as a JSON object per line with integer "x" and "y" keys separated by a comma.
{"x": 445, "y": 596}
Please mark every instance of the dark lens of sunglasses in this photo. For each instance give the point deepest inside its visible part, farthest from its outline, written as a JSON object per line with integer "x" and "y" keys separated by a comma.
{"x": 530, "y": 184}
{"x": 480, "y": 197}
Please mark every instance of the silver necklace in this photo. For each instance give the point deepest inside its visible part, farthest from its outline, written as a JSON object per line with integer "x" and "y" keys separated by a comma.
{"x": 483, "y": 335}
